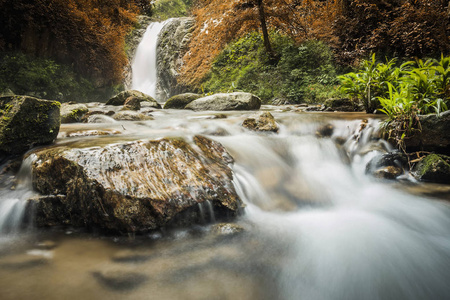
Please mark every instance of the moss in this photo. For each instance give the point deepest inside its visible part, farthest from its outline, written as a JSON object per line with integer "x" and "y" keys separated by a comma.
{"x": 434, "y": 168}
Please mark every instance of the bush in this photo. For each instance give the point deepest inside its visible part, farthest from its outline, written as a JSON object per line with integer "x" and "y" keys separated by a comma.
{"x": 403, "y": 92}
{"x": 303, "y": 73}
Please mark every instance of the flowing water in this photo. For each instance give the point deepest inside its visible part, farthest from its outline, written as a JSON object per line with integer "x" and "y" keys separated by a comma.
{"x": 315, "y": 225}
{"x": 144, "y": 77}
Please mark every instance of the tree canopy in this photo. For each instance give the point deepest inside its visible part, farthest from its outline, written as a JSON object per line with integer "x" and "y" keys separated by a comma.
{"x": 353, "y": 28}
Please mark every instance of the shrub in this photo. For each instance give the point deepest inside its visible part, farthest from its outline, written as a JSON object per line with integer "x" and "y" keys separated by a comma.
{"x": 300, "y": 73}
{"x": 403, "y": 92}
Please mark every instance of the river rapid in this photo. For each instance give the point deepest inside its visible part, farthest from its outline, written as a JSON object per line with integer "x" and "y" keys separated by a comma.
{"x": 315, "y": 226}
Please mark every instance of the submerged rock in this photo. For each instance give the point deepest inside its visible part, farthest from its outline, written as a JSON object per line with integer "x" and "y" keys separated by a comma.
{"x": 119, "y": 280}
{"x": 26, "y": 122}
{"x": 120, "y": 98}
{"x": 325, "y": 131}
{"x": 73, "y": 113}
{"x": 264, "y": 122}
{"x": 180, "y": 101}
{"x": 433, "y": 168}
{"x": 231, "y": 101}
{"x": 136, "y": 186}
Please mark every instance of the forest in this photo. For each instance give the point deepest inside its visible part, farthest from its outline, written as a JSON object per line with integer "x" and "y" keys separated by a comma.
{"x": 85, "y": 39}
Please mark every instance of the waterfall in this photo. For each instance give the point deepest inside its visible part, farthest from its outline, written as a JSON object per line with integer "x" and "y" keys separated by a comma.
{"x": 13, "y": 200}
{"x": 144, "y": 69}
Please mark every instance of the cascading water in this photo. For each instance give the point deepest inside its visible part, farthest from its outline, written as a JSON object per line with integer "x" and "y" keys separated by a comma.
{"x": 316, "y": 226}
{"x": 144, "y": 69}
{"x": 13, "y": 200}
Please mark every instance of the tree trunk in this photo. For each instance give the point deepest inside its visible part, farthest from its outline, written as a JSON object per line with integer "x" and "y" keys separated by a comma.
{"x": 262, "y": 19}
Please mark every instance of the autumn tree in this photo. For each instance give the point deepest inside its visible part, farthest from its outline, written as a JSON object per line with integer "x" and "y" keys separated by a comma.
{"x": 220, "y": 22}
{"x": 87, "y": 34}
{"x": 411, "y": 28}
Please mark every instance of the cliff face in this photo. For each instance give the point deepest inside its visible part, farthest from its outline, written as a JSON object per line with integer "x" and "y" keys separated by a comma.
{"x": 172, "y": 45}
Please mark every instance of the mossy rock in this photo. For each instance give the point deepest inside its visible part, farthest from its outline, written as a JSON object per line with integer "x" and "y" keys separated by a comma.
{"x": 264, "y": 122}
{"x": 73, "y": 113}
{"x": 26, "y": 122}
{"x": 180, "y": 101}
{"x": 340, "y": 104}
{"x": 120, "y": 98}
{"x": 434, "y": 168}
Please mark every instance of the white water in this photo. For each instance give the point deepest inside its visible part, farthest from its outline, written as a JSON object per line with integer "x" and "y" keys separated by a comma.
{"x": 355, "y": 238}
{"x": 13, "y": 200}
{"x": 317, "y": 227}
{"x": 144, "y": 68}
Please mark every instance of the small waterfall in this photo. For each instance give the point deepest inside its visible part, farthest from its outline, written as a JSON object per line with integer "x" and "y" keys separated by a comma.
{"x": 145, "y": 77}
{"x": 13, "y": 201}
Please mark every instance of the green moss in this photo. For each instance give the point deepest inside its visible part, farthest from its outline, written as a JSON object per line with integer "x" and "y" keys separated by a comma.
{"x": 435, "y": 168}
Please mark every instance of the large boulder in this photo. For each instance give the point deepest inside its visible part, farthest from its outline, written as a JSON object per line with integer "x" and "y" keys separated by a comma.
{"x": 173, "y": 42}
{"x": 120, "y": 98}
{"x": 434, "y": 136}
{"x": 73, "y": 113}
{"x": 433, "y": 168}
{"x": 231, "y": 101}
{"x": 136, "y": 186}
{"x": 180, "y": 101}
{"x": 26, "y": 122}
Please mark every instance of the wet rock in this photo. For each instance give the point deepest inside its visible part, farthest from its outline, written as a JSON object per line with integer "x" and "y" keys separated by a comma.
{"x": 100, "y": 119}
{"x": 120, "y": 98}
{"x": 72, "y": 113}
{"x": 85, "y": 118}
{"x": 433, "y": 168}
{"x": 132, "y": 103}
{"x": 92, "y": 133}
{"x": 314, "y": 108}
{"x": 227, "y": 229}
{"x": 26, "y": 122}
{"x": 341, "y": 104}
{"x": 325, "y": 131}
{"x": 264, "y": 122}
{"x": 231, "y": 101}
{"x": 135, "y": 186}
{"x": 128, "y": 115}
{"x": 120, "y": 280}
{"x": 388, "y": 165}
{"x": 180, "y": 101}
{"x": 434, "y": 136}
{"x": 389, "y": 172}
{"x": 173, "y": 42}
{"x": 280, "y": 101}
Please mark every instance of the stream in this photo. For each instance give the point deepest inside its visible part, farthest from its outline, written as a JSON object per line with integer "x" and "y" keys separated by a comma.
{"x": 315, "y": 225}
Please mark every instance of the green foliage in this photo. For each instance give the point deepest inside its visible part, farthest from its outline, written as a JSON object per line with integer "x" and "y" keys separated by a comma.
{"x": 404, "y": 92}
{"x": 301, "y": 73}
{"x": 165, "y": 9}
{"x": 44, "y": 78}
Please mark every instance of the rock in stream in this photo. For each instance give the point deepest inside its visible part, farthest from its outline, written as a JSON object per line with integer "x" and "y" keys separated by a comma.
{"x": 135, "y": 186}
